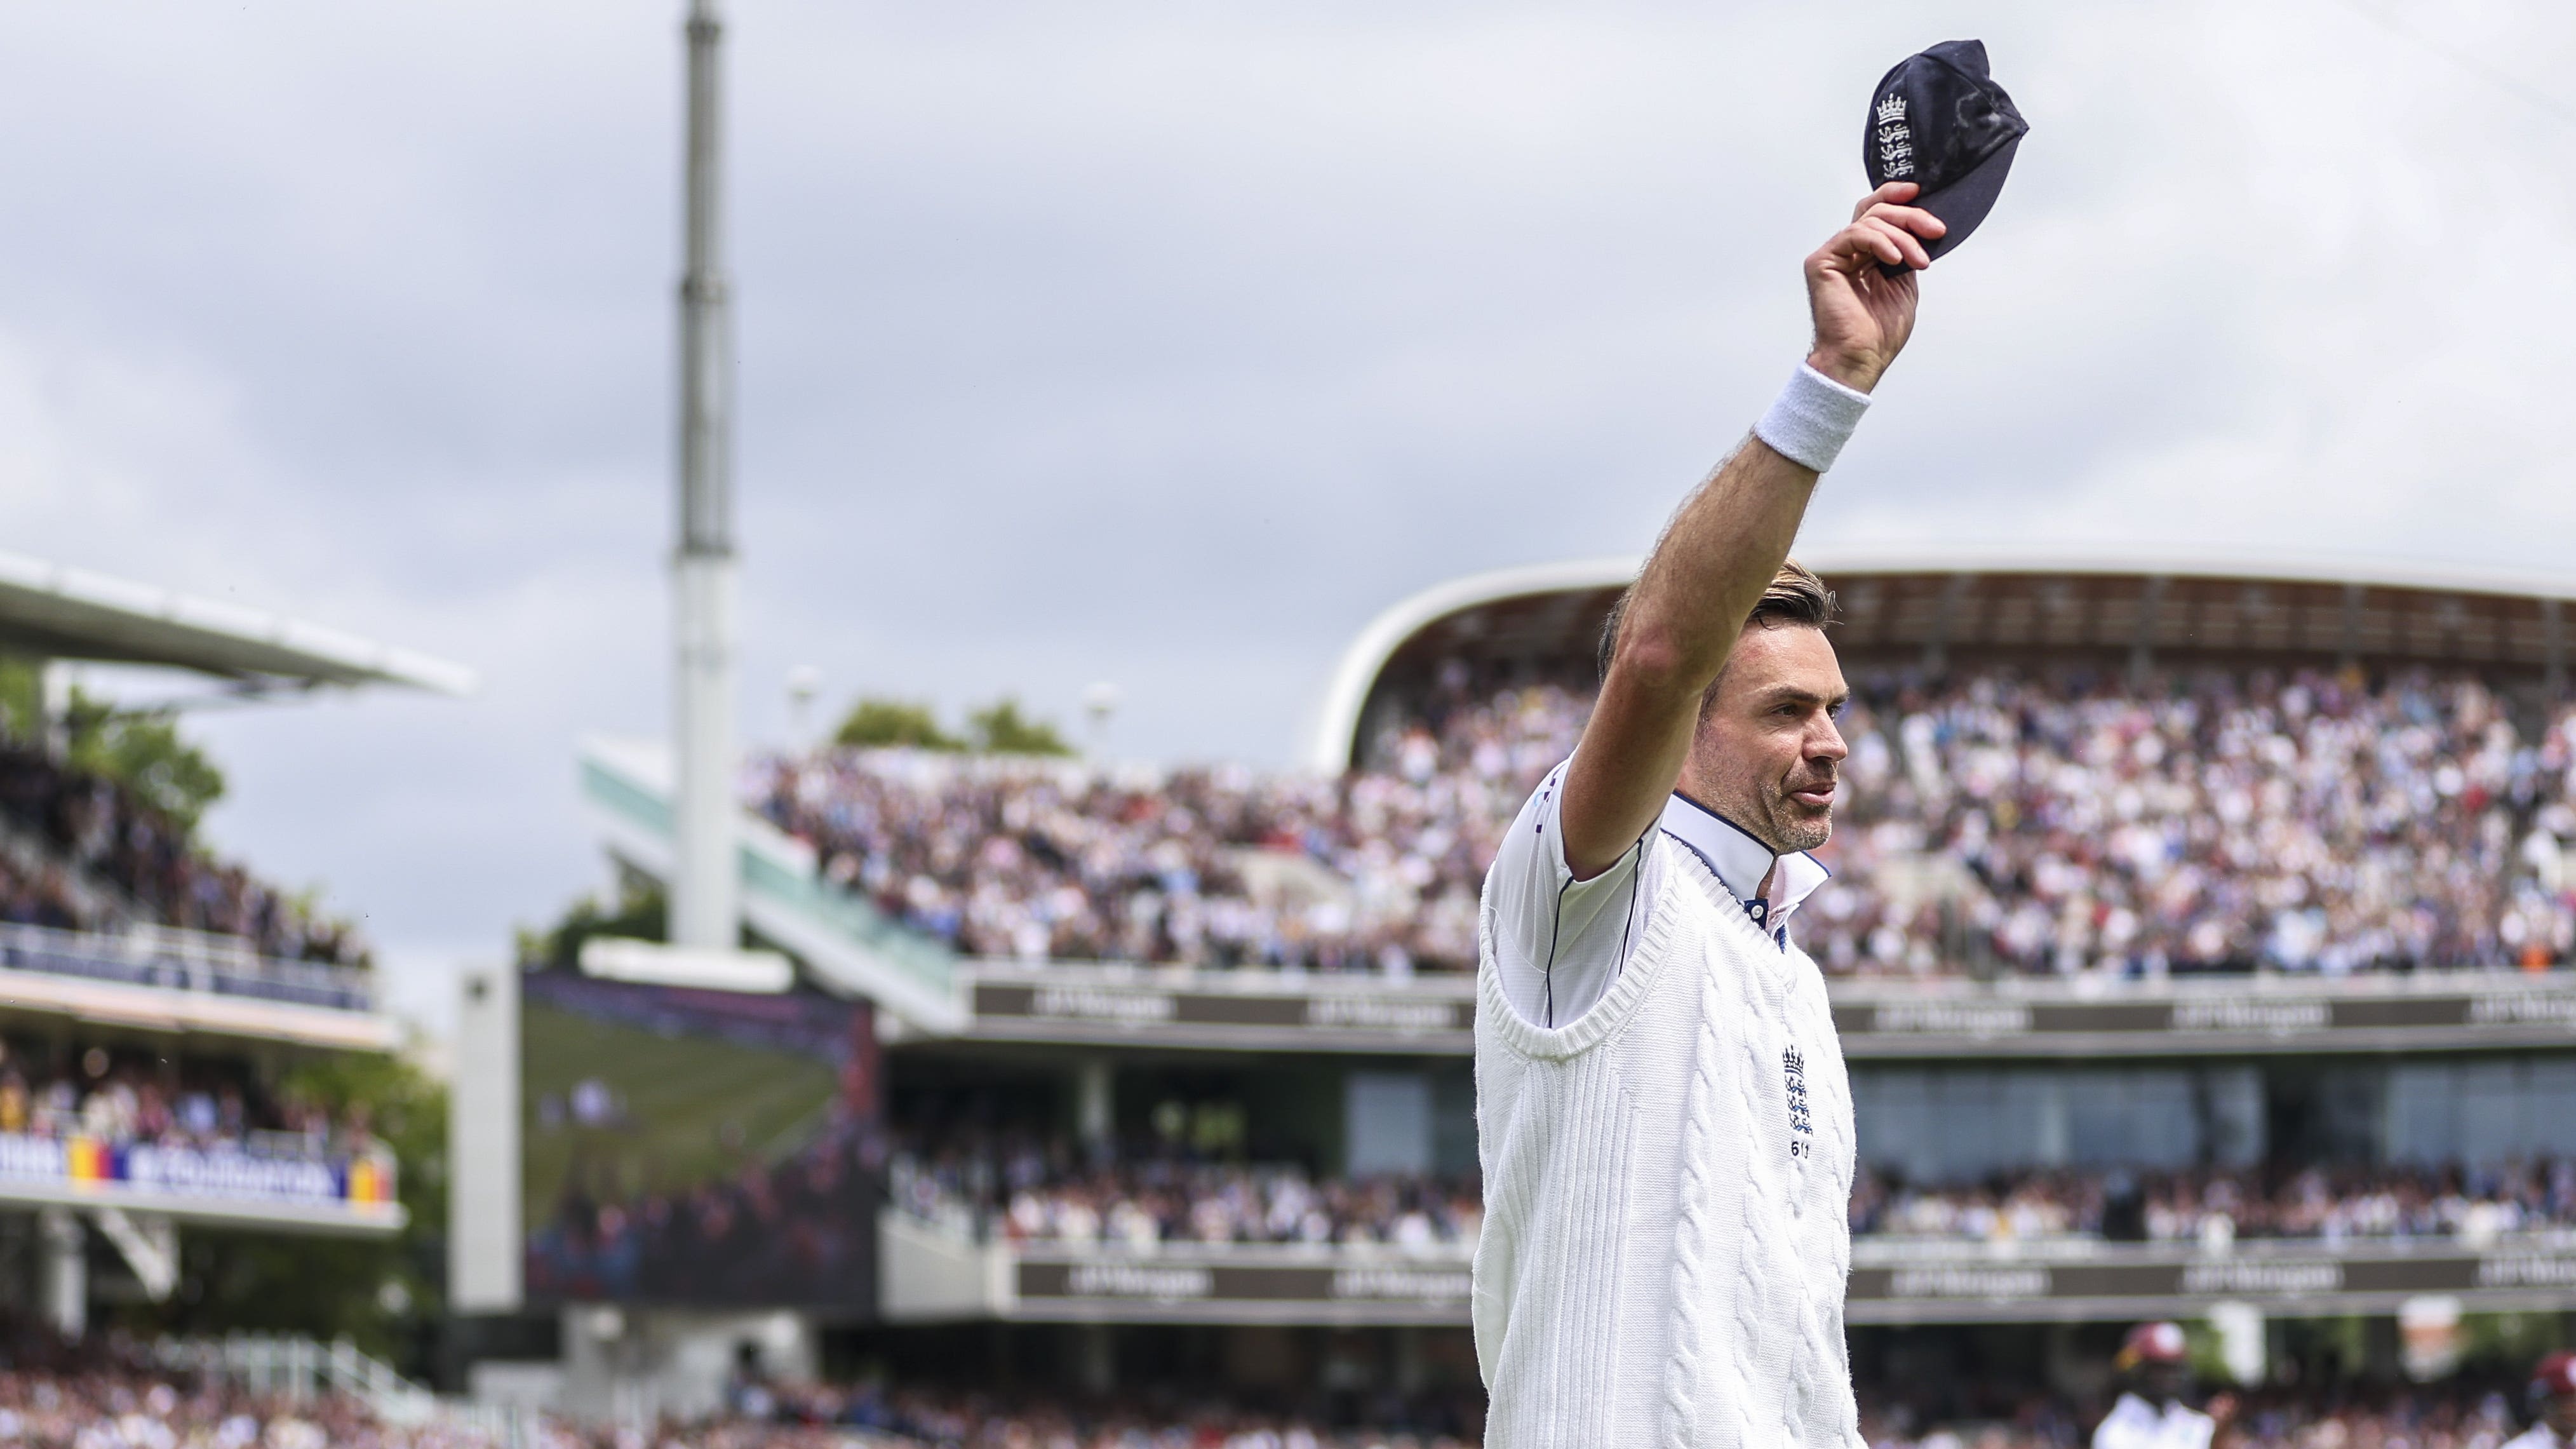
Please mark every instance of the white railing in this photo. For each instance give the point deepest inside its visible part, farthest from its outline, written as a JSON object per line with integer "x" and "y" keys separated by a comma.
{"x": 173, "y": 959}
{"x": 300, "y": 1369}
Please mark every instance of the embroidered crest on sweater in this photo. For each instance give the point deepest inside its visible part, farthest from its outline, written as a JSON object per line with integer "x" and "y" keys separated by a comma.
{"x": 1793, "y": 1071}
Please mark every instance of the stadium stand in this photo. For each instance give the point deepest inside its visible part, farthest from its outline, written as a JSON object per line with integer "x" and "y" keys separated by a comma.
{"x": 139, "y": 866}
{"x": 156, "y": 1001}
{"x": 1025, "y": 1190}
{"x": 125, "y": 1395}
{"x": 2218, "y": 1206}
{"x": 2418, "y": 1419}
{"x": 1022, "y": 1189}
{"x": 123, "y": 1097}
{"x": 2197, "y": 940}
{"x": 2222, "y": 822}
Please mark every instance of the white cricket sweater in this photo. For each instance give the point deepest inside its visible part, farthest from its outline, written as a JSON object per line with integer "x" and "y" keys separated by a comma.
{"x": 1666, "y": 1183}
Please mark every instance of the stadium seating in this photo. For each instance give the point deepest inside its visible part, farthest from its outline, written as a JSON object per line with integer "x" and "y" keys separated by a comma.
{"x": 2218, "y": 1206}
{"x": 2451, "y": 1418}
{"x": 1019, "y": 1188}
{"x": 136, "y": 866}
{"x": 1994, "y": 823}
{"x": 127, "y": 1100}
{"x": 104, "y": 1398}
{"x": 115, "y": 1396}
{"x": 111, "y": 1395}
{"x": 1025, "y": 1191}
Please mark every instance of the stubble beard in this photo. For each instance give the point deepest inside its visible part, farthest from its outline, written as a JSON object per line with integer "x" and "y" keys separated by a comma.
{"x": 1790, "y": 827}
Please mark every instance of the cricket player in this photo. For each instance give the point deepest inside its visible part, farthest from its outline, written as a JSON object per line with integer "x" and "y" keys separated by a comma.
{"x": 2153, "y": 1411}
{"x": 1664, "y": 1121}
{"x": 2553, "y": 1399}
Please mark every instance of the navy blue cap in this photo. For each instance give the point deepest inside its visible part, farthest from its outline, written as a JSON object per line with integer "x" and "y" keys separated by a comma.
{"x": 1940, "y": 121}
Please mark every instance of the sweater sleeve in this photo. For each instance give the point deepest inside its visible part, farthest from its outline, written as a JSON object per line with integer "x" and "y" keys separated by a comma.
{"x": 1559, "y": 942}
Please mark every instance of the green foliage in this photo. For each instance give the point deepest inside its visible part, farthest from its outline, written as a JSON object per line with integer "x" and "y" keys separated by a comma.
{"x": 387, "y": 1295}
{"x": 144, "y": 753}
{"x": 641, "y": 912}
{"x": 997, "y": 729}
{"x": 22, "y": 697}
{"x": 141, "y": 751}
{"x": 886, "y": 723}
{"x": 2509, "y": 1343}
{"x": 1000, "y": 729}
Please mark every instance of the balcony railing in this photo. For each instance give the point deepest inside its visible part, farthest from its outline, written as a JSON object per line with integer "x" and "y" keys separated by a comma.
{"x": 176, "y": 960}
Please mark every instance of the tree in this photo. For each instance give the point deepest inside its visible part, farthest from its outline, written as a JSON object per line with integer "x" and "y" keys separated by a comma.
{"x": 22, "y": 697}
{"x": 884, "y": 723}
{"x": 144, "y": 753}
{"x": 140, "y": 750}
{"x": 1000, "y": 729}
{"x": 641, "y": 912}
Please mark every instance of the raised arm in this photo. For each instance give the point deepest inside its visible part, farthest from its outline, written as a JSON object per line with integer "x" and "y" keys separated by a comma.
{"x": 1730, "y": 537}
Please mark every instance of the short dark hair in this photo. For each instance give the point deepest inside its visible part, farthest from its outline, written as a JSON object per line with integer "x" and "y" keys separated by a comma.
{"x": 1796, "y": 597}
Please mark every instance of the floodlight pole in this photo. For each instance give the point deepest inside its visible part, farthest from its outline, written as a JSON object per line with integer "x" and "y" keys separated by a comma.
{"x": 703, "y": 883}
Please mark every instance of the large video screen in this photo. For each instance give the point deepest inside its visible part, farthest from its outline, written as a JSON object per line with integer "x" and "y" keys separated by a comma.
{"x": 691, "y": 1147}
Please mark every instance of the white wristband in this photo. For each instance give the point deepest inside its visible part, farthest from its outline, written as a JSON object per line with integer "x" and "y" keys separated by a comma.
{"x": 1811, "y": 419}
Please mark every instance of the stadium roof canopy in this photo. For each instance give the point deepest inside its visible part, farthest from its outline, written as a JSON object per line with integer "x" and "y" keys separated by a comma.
{"x": 1923, "y": 606}
{"x": 49, "y": 611}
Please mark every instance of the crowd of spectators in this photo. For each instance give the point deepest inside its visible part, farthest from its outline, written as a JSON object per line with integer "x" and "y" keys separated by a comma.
{"x": 2216, "y": 1206}
{"x": 2314, "y": 822}
{"x": 806, "y": 1416}
{"x": 2461, "y": 1414}
{"x": 96, "y": 1407}
{"x": 122, "y": 1101}
{"x": 111, "y": 1394}
{"x": 37, "y": 897}
{"x": 1021, "y": 1190}
{"x": 1046, "y": 859}
{"x": 115, "y": 1401}
{"x": 111, "y": 836}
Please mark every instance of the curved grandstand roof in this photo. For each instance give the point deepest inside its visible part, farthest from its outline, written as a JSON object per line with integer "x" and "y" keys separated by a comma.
{"x": 54, "y": 612}
{"x": 1920, "y": 604}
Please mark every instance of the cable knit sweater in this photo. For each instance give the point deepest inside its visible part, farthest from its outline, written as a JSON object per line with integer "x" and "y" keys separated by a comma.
{"x": 1666, "y": 1179}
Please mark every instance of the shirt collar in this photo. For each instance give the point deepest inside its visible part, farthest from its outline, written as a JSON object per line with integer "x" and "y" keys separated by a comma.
{"x": 1740, "y": 861}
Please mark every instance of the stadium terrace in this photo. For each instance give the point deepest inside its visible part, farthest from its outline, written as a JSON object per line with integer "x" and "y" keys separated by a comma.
{"x": 2056, "y": 772}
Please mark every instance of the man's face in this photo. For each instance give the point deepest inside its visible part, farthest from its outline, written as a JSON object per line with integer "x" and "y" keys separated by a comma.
{"x": 2559, "y": 1411}
{"x": 1767, "y": 755}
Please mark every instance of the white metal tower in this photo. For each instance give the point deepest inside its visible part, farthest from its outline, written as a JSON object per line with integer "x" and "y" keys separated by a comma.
{"x": 704, "y": 910}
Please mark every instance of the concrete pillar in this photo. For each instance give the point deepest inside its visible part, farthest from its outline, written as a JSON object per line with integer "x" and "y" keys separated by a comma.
{"x": 62, "y": 1272}
{"x": 2142, "y": 646}
{"x": 2553, "y": 648}
{"x": 54, "y": 703}
{"x": 1412, "y": 1366}
{"x": 1095, "y": 1107}
{"x": 1095, "y": 1358}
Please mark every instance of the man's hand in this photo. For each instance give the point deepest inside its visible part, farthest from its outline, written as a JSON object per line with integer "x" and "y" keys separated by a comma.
{"x": 1863, "y": 315}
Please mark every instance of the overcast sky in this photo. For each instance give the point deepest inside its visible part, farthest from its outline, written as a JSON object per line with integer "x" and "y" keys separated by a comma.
{"x": 1164, "y": 344}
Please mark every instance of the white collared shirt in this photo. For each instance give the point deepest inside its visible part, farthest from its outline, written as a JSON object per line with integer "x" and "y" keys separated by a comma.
{"x": 1559, "y": 942}
{"x": 2133, "y": 1423}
